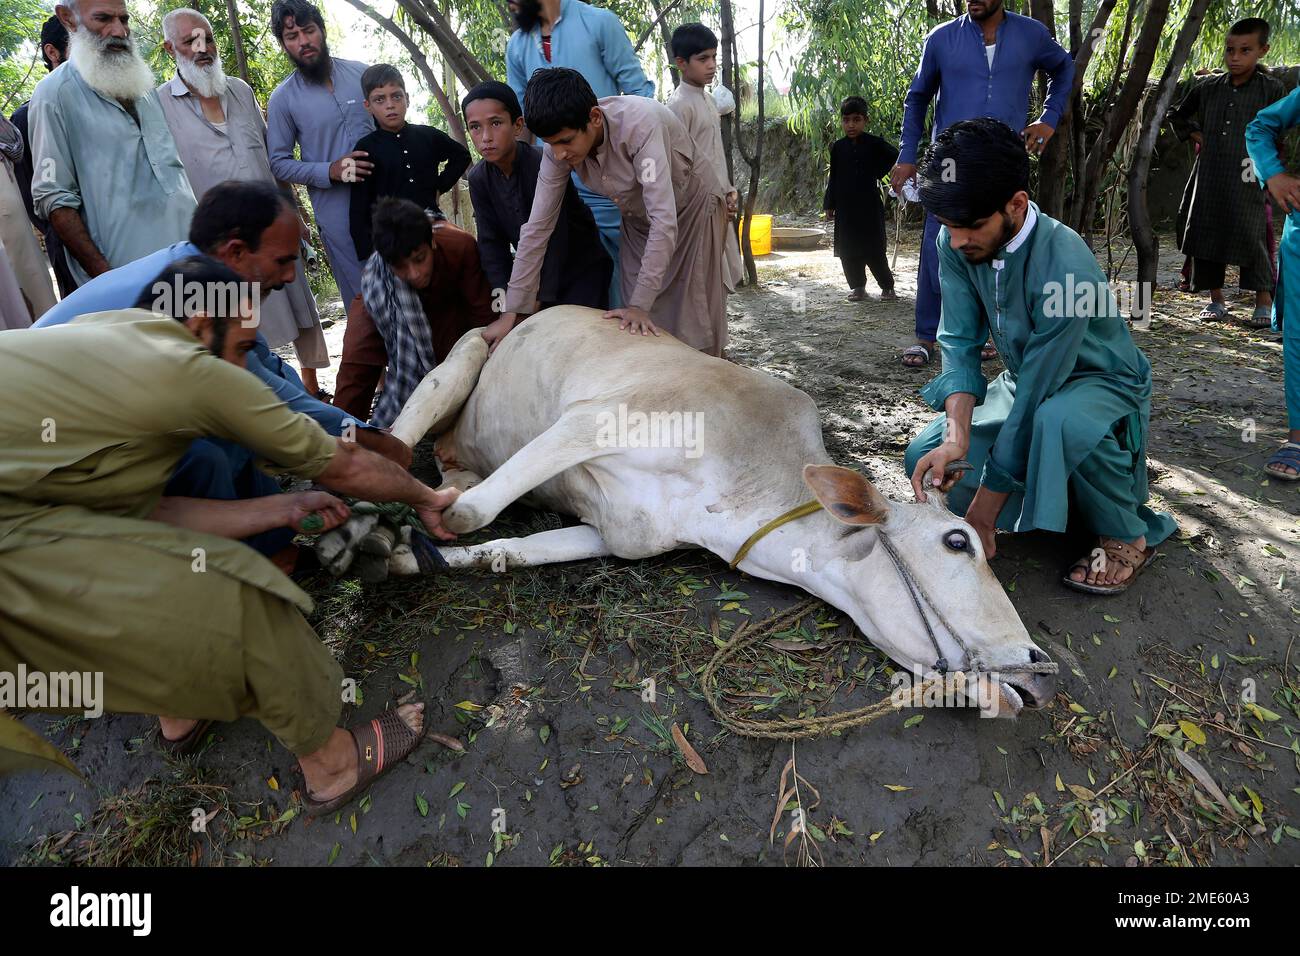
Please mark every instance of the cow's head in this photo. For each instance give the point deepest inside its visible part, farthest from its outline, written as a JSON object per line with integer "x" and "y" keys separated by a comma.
{"x": 890, "y": 556}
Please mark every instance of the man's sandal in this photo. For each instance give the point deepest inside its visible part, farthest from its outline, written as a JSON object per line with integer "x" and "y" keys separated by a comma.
{"x": 1286, "y": 456}
{"x": 382, "y": 744}
{"x": 1261, "y": 318}
{"x": 989, "y": 352}
{"x": 921, "y": 353}
{"x": 1117, "y": 552}
{"x": 1214, "y": 312}
{"x": 186, "y": 745}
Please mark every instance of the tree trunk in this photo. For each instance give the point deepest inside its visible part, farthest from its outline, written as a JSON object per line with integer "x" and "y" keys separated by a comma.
{"x": 727, "y": 64}
{"x": 755, "y": 165}
{"x": 463, "y": 63}
{"x": 665, "y": 36}
{"x": 1144, "y": 237}
{"x": 1084, "y": 48}
{"x": 932, "y": 10}
{"x": 456, "y": 127}
{"x": 1053, "y": 163}
{"x": 237, "y": 38}
{"x": 1121, "y": 112}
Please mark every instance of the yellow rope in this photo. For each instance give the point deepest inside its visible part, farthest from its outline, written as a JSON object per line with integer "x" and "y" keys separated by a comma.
{"x": 806, "y": 508}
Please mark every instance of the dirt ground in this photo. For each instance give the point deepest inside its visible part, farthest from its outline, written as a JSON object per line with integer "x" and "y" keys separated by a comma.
{"x": 538, "y": 673}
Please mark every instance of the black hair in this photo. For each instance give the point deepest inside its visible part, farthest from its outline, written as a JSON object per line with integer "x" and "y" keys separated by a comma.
{"x": 529, "y": 15}
{"x": 170, "y": 293}
{"x": 854, "y": 105}
{"x": 237, "y": 209}
{"x": 55, "y": 34}
{"x": 399, "y": 227}
{"x": 381, "y": 74}
{"x": 300, "y": 11}
{"x": 690, "y": 39}
{"x": 1252, "y": 25}
{"x": 494, "y": 90}
{"x": 557, "y": 98}
{"x": 972, "y": 170}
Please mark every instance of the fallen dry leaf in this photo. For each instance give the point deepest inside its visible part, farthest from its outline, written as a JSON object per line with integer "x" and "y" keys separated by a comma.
{"x": 692, "y": 758}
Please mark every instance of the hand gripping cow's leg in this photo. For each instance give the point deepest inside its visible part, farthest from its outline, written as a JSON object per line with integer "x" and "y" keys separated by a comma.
{"x": 438, "y": 399}
{"x": 546, "y": 547}
{"x": 570, "y": 441}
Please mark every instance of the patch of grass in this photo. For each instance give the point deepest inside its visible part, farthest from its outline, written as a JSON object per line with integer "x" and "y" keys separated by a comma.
{"x": 149, "y": 825}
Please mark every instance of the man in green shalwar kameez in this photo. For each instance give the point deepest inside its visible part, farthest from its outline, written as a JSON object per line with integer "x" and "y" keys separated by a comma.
{"x": 100, "y": 573}
{"x": 1061, "y": 434}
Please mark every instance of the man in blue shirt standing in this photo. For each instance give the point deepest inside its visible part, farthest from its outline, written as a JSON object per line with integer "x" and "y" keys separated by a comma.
{"x": 981, "y": 64}
{"x": 253, "y": 228}
{"x": 592, "y": 41}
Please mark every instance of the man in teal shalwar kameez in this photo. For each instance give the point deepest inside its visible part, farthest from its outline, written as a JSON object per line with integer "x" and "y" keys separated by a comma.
{"x": 1263, "y": 136}
{"x": 1061, "y": 434}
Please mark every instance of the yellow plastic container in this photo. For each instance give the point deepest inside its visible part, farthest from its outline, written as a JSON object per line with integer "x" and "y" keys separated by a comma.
{"x": 760, "y": 235}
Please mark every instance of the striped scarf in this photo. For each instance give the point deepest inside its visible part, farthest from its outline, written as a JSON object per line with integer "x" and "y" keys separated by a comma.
{"x": 399, "y": 316}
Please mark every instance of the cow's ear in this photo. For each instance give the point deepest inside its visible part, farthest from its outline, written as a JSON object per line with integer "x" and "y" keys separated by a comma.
{"x": 846, "y": 495}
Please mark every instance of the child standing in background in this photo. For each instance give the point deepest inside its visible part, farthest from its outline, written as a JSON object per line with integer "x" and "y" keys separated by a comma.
{"x": 695, "y": 53}
{"x": 852, "y": 201}
{"x": 1222, "y": 208}
{"x": 407, "y": 156}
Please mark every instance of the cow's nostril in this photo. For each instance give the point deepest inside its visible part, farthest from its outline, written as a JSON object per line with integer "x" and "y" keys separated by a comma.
{"x": 1036, "y": 656}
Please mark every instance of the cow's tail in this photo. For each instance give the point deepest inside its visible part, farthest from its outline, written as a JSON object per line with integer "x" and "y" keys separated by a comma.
{"x": 438, "y": 399}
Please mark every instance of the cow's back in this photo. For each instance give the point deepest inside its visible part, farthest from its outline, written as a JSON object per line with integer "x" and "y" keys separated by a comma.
{"x": 568, "y": 357}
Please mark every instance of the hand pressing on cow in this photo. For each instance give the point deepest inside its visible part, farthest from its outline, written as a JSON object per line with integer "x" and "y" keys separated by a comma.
{"x": 634, "y": 319}
{"x": 497, "y": 330}
{"x": 982, "y": 515}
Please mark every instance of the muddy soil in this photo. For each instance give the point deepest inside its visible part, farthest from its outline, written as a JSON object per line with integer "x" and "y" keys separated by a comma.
{"x": 572, "y": 767}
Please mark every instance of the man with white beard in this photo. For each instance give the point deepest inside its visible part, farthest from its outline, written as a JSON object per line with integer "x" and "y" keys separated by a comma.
{"x": 107, "y": 175}
{"x": 220, "y": 135}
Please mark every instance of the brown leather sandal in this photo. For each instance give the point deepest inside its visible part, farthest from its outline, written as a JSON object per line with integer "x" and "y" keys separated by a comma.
{"x": 382, "y": 744}
{"x": 1120, "y": 552}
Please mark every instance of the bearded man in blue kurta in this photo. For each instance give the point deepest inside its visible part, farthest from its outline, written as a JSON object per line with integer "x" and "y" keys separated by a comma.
{"x": 1060, "y": 436}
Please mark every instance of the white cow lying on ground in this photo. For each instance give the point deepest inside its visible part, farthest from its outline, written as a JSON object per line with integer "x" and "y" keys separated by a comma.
{"x": 563, "y": 416}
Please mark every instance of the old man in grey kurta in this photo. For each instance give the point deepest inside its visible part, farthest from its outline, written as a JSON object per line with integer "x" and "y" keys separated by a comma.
{"x": 237, "y": 150}
{"x": 122, "y": 173}
{"x": 674, "y": 221}
{"x": 325, "y": 122}
{"x": 179, "y": 622}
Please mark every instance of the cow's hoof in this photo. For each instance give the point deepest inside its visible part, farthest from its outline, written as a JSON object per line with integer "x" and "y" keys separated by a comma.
{"x": 462, "y": 517}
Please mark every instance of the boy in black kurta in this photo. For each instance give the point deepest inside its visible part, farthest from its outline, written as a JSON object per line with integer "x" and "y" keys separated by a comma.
{"x": 577, "y": 269}
{"x": 407, "y": 156}
{"x": 852, "y": 202}
{"x": 1222, "y": 215}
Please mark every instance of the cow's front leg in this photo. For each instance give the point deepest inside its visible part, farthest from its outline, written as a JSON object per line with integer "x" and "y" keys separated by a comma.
{"x": 570, "y": 441}
{"x": 438, "y": 399}
{"x": 578, "y": 543}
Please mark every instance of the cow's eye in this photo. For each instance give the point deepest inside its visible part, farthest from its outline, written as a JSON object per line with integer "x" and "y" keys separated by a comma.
{"x": 957, "y": 540}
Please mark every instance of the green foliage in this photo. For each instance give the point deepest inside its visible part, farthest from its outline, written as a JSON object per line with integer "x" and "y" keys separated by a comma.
{"x": 20, "y": 61}
{"x": 870, "y": 50}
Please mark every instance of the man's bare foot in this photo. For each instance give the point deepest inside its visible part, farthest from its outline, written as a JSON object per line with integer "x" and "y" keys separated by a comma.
{"x": 332, "y": 770}
{"x": 175, "y": 728}
{"x": 1104, "y": 573}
